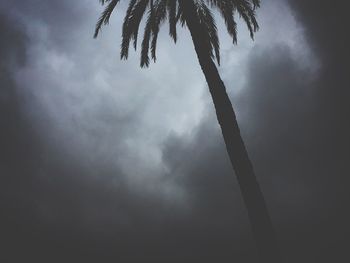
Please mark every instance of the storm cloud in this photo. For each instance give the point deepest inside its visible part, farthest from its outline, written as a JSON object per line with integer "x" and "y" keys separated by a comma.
{"x": 102, "y": 161}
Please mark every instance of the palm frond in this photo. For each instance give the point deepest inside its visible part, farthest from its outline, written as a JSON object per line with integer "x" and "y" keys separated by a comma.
{"x": 246, "y": 9}
{"x": 159, "y": 17}
{"x": 208, "y": 21}
{"x": 160, "y": 10}
{"x": 131, "y": 26}
{"x": 146, "y": 40}
{"x": 106, "y": 15}
{"x": 171, "y": 6}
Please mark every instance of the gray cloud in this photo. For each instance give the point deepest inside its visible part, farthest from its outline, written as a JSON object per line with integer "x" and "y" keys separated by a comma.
{"x": 103, "y": 161}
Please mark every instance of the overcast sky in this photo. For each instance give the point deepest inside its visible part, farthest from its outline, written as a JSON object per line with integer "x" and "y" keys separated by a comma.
{"x": 101, "y": 160}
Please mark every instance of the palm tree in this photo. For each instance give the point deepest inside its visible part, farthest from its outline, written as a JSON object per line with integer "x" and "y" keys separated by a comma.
{"x": 197, "y": 15}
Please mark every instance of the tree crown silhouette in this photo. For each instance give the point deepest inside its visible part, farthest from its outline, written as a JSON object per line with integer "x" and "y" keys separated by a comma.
{"x": 158, "y": 11}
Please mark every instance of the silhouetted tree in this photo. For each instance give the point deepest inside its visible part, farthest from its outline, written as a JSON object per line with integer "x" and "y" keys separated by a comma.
{"x": 198, "y": 17}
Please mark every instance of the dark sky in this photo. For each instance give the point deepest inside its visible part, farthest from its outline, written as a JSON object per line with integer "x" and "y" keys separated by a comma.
{"x": 101, "y": 161}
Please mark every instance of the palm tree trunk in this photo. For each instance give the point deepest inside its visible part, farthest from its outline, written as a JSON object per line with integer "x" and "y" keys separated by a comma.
{"x": 252, "y": 195}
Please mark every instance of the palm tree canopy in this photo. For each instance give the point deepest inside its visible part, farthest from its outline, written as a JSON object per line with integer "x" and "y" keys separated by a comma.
{"x": 158, "y": 11}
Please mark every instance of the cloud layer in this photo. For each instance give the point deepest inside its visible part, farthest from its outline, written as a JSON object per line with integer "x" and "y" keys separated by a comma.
{"x": 103, "y": 161}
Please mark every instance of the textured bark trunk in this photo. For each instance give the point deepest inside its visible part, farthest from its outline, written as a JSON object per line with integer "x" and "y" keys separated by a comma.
{"x": 253, "y": 198}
